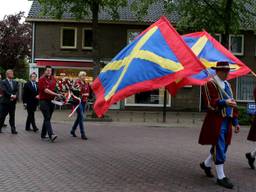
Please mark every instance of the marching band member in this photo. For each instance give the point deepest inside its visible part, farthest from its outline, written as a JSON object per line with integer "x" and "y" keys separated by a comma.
{"x": 81, "y": 89}
{"x": 46, "y": 86}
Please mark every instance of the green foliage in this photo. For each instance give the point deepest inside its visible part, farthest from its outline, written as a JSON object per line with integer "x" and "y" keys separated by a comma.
{"x": 1, "y": 70}
{"x": 15, "y": 41}
{"x": 213, "y": 15}
{"x": 140, "y": 8}
{"x": 21, "y": 71}
{"x": 243, "y": 118}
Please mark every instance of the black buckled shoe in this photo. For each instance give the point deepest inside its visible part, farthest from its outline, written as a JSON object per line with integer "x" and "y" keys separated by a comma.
{"x": 53, "y": 138}
{"x": 225, "y": 182}
{"x": 207, "y": 170}
{"x": 250, "y": 160}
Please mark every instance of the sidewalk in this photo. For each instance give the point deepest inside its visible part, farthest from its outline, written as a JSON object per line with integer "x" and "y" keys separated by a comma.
{"x": 144, "y": 117}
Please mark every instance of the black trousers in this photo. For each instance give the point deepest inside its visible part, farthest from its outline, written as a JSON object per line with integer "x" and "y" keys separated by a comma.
{"x": 31, "y": 117}
{"x": 5, "y": 109}
{"x": 47, "y": 108}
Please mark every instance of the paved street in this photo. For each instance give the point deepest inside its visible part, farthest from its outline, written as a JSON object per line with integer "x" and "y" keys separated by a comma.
{"x": 118, "y": 157}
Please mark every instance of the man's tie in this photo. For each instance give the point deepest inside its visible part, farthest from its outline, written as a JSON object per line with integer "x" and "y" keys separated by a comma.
{"x": 11, "y": 84}
{"x": 34, "y": 85}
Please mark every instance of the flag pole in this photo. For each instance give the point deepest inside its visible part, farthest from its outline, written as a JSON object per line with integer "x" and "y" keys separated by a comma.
{"x": 164, "y": 107}
{"x": 254, "y": 74}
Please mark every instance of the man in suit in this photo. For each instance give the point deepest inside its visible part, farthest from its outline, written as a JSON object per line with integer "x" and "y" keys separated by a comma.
{"x": 30, "y": 101}
{"x": 1, "y": 93}
{"x": 8, "y": 100}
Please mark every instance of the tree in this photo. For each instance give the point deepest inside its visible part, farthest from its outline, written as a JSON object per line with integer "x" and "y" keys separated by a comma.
{"x": 15, "y": 40}
{"x": 223, "y": 16}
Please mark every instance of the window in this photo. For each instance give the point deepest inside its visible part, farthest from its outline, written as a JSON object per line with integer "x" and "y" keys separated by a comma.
{"x": 132, "y": 34}
{"x": 68, "y": 38}
{"x": 217, "y": 36}
{"x": 245, "y": 86}
{"x": 149, "y": 98}
{"x": 87, "y": 38}
{"x": 236, "y": 44}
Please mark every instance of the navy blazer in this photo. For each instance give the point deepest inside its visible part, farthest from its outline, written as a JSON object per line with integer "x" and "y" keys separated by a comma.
{"x": 7, "y": 91}
{"x": 29, "y": 95}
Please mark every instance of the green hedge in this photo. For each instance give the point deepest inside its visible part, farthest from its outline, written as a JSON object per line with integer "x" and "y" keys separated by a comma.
{"x": 243, "y": 118}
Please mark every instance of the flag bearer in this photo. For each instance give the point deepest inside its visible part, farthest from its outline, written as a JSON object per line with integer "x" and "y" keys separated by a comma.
{"x": 217, "y": 127}
{"x": 252, "y": 137}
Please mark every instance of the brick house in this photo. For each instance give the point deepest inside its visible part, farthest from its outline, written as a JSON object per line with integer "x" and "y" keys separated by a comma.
{"x": 66, "y": 44}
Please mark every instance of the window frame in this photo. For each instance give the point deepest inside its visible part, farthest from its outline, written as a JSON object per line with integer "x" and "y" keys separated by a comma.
{"x": 83, "y": 39}
{"x": 75, "y": 38}
{"x": 241, "y": 100}
{"x": 168, "y": 103}
{"x": 242, "y": 48}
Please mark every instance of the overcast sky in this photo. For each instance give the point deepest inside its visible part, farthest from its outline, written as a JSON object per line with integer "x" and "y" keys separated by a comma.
{"x": 8, "y": 7}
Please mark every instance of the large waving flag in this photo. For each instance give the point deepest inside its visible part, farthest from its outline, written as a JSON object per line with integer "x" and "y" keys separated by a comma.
{"x": 209, "y": 51}
{"x": 157, "y": 57}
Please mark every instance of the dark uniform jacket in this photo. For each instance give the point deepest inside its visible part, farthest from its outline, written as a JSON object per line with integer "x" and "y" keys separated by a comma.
{"x": 215, "y": 115}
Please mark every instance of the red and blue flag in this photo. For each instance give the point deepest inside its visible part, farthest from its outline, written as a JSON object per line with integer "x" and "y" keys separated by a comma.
{"x": 156, "y": 58}
{"x": 209, "y": 51}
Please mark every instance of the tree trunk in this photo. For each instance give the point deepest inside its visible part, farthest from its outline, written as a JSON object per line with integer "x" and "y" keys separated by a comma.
{"x": 227, "y": 19}
{"x": 95, "y": 51}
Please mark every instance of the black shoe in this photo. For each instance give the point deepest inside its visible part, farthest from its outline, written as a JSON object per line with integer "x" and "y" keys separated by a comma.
{"x": 207, "y": 170}
{"x": 53, "y": 137}
{"x": 250, "y": 160}
{"x": 35, "y": 130}
{"x": 84, "y": 137}
{"x": 44, "y": 137}
{"x": 73, "y": 133}
{"x": 14, "y": 132}
{"x": 225, "y": 182}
